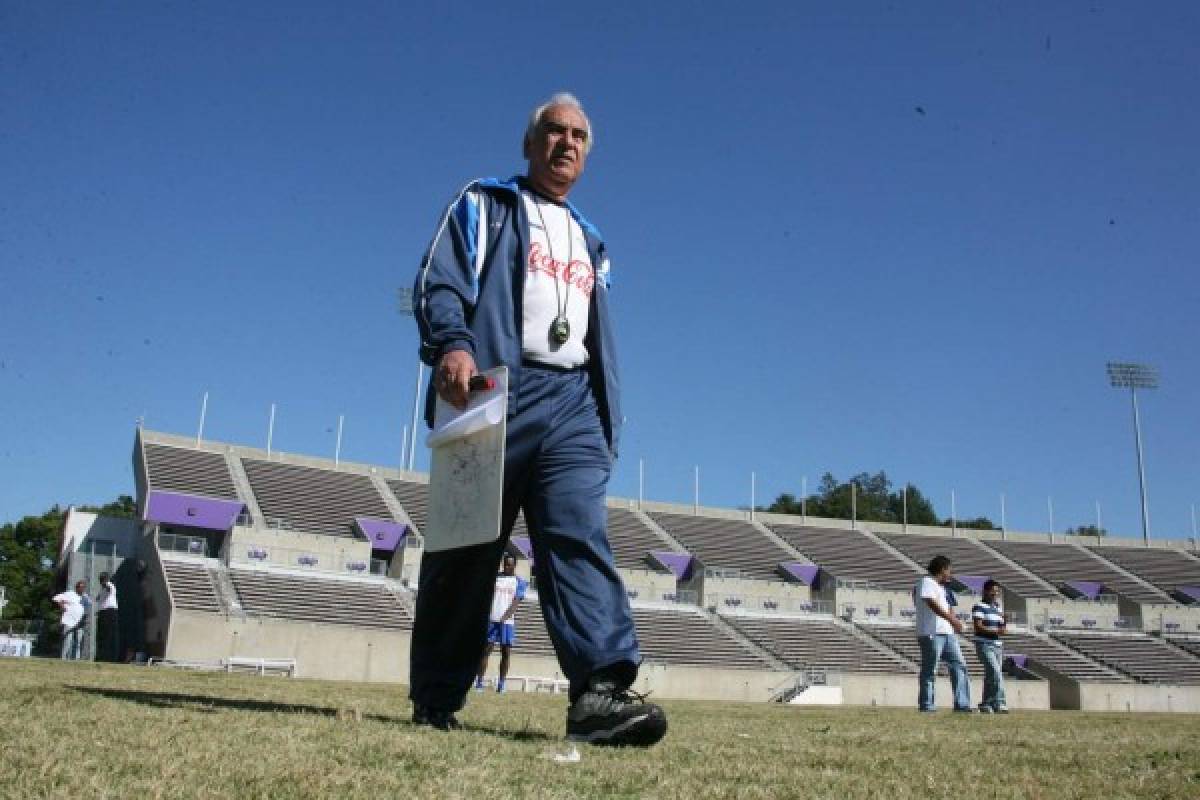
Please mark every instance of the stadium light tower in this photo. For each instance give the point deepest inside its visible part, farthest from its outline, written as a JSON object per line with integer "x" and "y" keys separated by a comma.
{"x": 405, "y": 306}
{"x": 1125, "y": 375}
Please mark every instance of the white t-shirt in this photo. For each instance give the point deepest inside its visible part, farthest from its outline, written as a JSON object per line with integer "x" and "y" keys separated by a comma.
{"x": 73, "y": 613}
{"x": 555, "y": 259}
{"x": 507, "y": 587}
{"x": 107, "y": 599}
{"x": 929, "y": 623}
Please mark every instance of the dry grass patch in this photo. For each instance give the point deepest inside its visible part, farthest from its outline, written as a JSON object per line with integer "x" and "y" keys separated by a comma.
{"x": 92, "y": 731}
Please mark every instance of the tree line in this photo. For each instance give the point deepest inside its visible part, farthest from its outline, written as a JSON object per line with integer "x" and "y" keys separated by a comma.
{"x": 874, "y": 498}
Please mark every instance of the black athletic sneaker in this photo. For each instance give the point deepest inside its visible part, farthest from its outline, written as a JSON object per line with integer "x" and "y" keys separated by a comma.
{"x": 435, "y": 718}
{"x": 607, "y": 715}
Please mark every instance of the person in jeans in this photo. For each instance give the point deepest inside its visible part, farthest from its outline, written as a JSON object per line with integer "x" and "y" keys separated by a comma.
{"x": 73, "y": 620}
{"x": 988, "y": 620}
{"x": 937, "y": 630}
{"x": 517, "y": 277}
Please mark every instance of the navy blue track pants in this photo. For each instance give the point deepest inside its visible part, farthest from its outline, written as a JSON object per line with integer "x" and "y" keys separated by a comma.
{"x": 556, "y": 470}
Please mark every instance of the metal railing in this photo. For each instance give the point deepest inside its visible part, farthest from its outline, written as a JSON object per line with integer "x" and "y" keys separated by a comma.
{"x": 182, "y": 543}
{"x": 736, "y": 601}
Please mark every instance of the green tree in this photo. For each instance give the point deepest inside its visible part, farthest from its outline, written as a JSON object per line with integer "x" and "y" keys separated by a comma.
{"x": 28, "y": 555}
{"x": 876, "y": 499}
{"x": 1087, "y": 530}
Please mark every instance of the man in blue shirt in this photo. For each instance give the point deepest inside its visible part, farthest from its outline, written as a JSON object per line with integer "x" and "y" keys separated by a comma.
{"x": 988, "y": 619}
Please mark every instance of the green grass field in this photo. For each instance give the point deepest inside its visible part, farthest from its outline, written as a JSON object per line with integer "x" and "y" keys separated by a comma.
{"x": 90, "y": 731}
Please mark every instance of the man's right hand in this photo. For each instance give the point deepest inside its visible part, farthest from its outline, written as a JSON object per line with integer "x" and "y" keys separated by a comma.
{"x": 956, "y": 623}
{"x": 453, "y": 377}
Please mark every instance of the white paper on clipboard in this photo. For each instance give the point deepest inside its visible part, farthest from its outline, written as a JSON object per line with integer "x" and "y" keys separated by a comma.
{"x": 466, "y": 475}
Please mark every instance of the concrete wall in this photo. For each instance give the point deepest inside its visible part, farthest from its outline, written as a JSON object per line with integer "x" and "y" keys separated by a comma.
{"x": 156, "y": 597}
{"x": 860, "y": 689}
{"x": 649, "y": 585}
{"x": 714, "y": 591}
{"x": 283, "y": 547}
{"x": 333, "y": 652}
{"x": 1137, "y": 697}
{"x": 889, "y": 603}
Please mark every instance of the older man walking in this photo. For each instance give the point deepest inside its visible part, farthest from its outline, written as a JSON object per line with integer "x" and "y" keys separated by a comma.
{"x": 517, "y": 277}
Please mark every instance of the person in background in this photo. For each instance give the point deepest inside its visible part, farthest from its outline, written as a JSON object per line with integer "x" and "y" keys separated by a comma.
{"x": 937, "y": 630}
{"x": 988, "y": 620}
{"x": 502, "y": 625}
{"x": 106, "y": 620}
{"x": 72, "y": 621}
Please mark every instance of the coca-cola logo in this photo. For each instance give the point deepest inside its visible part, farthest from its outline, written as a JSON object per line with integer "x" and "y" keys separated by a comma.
{"x": 577, "y": 273}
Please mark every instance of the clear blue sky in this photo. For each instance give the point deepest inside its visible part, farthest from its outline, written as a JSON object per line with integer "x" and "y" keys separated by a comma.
{"x": 899, "y": 236}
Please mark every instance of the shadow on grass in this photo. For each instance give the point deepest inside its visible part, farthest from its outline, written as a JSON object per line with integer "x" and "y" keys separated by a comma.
{"x": 209, "y": 703}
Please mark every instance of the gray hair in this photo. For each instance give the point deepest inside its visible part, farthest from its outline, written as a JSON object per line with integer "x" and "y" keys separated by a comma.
{"x": 559, "y": 99}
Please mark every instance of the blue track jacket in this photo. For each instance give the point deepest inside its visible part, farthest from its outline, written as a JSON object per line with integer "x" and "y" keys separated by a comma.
{"x": 471, "y": 285}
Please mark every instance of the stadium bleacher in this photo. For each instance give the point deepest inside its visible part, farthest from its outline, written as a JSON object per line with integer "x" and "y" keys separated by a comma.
{"x": 682, "y": 637}
{"x": 850, "y": 556}
{"x": 816, "y": 643}
{"x": 903, "y": 640}
{"x": 727, "y": 544}
{"x": 328, "y": 601}
{"x": 314, "y": 500}
{"x": 1166, "y": 569}
{"x": 632, "y": 539}
{"x": 1141, "y": 657}
{"x": 1060, "y": 563}
{"x": 1190, "y": 645}
{"x": 968, "y": 558}
{"x": 183, "y": 469}
{"x": 191, "y": 585}
{"x": 1059, "y": 658}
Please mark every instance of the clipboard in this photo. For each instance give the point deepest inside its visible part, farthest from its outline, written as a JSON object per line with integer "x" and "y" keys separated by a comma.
{"x": 466, "y": 474}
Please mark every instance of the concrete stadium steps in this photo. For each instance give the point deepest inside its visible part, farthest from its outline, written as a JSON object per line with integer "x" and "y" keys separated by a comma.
{"x": 807, "y": 643}
{"x": 414, "y": 497}
{"x": 1059, "y": 563}
{"x": 1059, "y": 658}
{"x": 726, "y": 544}
{"x": 849, "y": 555}
{"x": 681, "y": 638}
{"x": 1165, "y": 569}
{"x": 191, "y": 586}
{"x": 1190, "y": 645}
{"x": 903, "y": 639}
{"x": 968, "y": 558}
{"x": 323, "y": 600}
{"x": 182, "y": 469}
{"x": 632, "y": 539}
{"x": 1143, "y": 658}
{"x": 314, "y": 500}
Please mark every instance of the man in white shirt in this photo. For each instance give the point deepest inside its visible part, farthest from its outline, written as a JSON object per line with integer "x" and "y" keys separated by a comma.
{"x": 106, "y": 620}
{"x": 517, "y": 277}
{"x": 502, "y": 623}
{"x": 72, "y": 621}
{"x": 937, "y": 630}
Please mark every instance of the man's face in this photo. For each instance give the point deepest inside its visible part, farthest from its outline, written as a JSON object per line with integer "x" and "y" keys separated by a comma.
{"x": 557, "y": 149}
{"x": 944, "y": 575}
{"x": 992, "y": 595}
{"x": 79, "y": 587}
{"x": 510, "y": 565}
